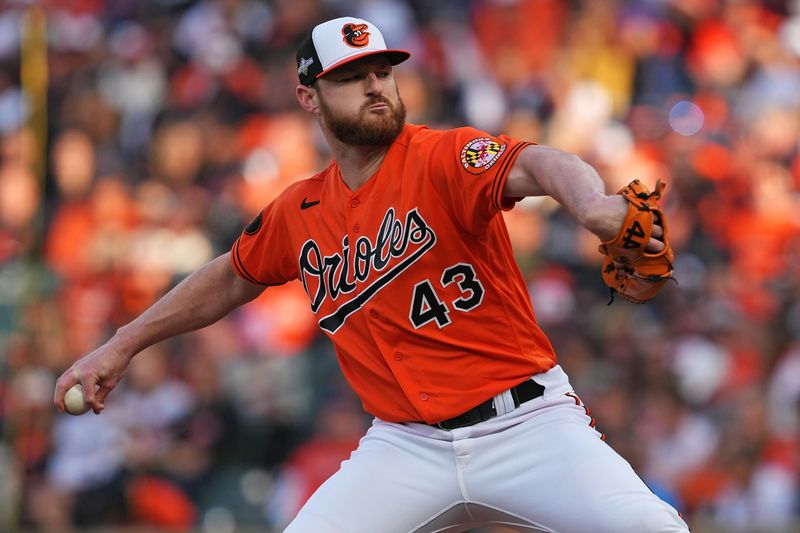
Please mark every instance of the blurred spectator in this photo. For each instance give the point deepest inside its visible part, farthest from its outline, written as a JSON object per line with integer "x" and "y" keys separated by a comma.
{"x": 339, "y": 425}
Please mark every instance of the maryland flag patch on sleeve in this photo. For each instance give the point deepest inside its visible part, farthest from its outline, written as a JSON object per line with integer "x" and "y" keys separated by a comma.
{"x": 479, "y": 155}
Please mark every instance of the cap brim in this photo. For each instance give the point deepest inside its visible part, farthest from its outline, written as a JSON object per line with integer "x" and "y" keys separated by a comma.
{"x": 395, "y": 57}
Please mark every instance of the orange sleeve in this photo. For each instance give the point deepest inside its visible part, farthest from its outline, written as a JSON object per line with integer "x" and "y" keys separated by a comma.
{"x": 468, "y": 169}
{"x": 263, "y": 254}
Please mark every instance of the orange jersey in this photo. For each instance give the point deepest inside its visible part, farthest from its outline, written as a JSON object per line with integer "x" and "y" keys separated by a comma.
{"x": 412, "y": 275}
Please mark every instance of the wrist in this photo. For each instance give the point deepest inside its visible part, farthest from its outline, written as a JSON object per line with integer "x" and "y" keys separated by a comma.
{"x": 124, "y": 342}
{"x": 604, "y": 216}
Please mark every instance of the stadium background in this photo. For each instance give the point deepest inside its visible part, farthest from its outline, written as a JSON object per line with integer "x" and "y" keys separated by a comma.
{"x": 137, "y": 137}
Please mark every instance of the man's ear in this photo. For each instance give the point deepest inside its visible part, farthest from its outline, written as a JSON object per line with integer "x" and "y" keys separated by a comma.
{"x": 307, "y": 96}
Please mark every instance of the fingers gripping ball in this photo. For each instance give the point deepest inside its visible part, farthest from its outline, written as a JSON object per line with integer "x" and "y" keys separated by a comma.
{"x": 74, "y": 402}
{"x": 628, "y": 269}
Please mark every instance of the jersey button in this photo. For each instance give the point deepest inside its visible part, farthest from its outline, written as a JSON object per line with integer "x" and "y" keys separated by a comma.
{"x": 374, "y": 314}
{"x": 354, "y": 202}
{"x": 398, "y": 356}
{"x": 356, "y": 228}
{"x": 423, "y": 396}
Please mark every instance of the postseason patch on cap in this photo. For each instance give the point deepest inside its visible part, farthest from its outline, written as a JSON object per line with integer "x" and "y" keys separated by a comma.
{"x": 479, "y": 155}
{"x": 305, "y": 62}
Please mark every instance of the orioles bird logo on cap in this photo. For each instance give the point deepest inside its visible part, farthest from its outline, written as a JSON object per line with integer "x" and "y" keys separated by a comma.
{"x": 355, "y": 35}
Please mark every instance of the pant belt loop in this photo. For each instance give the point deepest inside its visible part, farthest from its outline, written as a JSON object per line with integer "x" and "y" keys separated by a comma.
{"x": 504, "y": 402}
{"x": 515, "y": 396}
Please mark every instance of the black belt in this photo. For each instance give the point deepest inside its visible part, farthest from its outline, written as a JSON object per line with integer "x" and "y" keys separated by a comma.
{"x": 527, "y": 390}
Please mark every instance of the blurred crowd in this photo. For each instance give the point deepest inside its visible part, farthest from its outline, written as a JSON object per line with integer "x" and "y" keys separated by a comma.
{"x": 166, "y": 125}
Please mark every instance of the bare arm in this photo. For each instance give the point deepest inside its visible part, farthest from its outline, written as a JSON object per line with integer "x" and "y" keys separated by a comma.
{"x": 543, "y": 170}
{"x": 205, "y": 296}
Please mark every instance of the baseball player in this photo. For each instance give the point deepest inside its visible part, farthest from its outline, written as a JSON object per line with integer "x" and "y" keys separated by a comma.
{"x": 402, "y": 250}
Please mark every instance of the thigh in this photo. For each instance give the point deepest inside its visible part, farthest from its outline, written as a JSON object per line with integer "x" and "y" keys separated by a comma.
{"x": 555, "y": 471}
{"x": 395, "y": 481}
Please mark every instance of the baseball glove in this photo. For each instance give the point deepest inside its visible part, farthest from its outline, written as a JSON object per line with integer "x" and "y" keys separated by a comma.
{"x": 628, "y": 269}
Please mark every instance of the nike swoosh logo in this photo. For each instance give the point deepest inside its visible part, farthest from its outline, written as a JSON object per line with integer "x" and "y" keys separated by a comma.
{"x": 305, "y": 204}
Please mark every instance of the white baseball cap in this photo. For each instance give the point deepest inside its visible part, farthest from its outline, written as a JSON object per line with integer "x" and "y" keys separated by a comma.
{"x": 337, "y": 42}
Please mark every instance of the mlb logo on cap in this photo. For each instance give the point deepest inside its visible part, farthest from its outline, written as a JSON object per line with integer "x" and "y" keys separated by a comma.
{"x": 338, "y": 42}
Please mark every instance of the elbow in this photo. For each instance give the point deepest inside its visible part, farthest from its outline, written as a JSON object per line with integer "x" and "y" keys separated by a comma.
{"x": 234, "y": 291}
{"x": 552, "y": 164}
{"x": 244, "y": 291}
{"x": 574, "y": 164}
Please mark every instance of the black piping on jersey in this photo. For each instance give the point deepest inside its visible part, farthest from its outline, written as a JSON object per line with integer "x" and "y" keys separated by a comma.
{"x": 334, "y": 321}
{"x": 240, "y": 265}
{"x": 504, "y": 168}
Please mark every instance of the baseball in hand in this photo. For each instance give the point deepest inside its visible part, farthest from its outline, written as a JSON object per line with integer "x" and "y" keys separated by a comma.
{"x": 74, "y": 402}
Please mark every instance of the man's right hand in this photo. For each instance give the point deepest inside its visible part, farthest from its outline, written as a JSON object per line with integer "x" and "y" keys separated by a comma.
{"x": 98, "y": 373}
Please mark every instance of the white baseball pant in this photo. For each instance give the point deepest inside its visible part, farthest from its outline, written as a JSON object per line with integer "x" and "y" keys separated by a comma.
{"x": 540, "y": 467}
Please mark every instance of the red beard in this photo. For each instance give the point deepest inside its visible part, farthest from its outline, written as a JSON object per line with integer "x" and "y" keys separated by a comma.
{"x": 367, "y": 128}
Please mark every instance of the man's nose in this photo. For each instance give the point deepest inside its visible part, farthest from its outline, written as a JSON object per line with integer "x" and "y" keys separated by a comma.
{"x": 374, "y": 84}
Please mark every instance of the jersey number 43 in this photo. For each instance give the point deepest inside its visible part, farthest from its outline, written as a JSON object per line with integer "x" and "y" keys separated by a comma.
{"x": 426, "y": 306}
